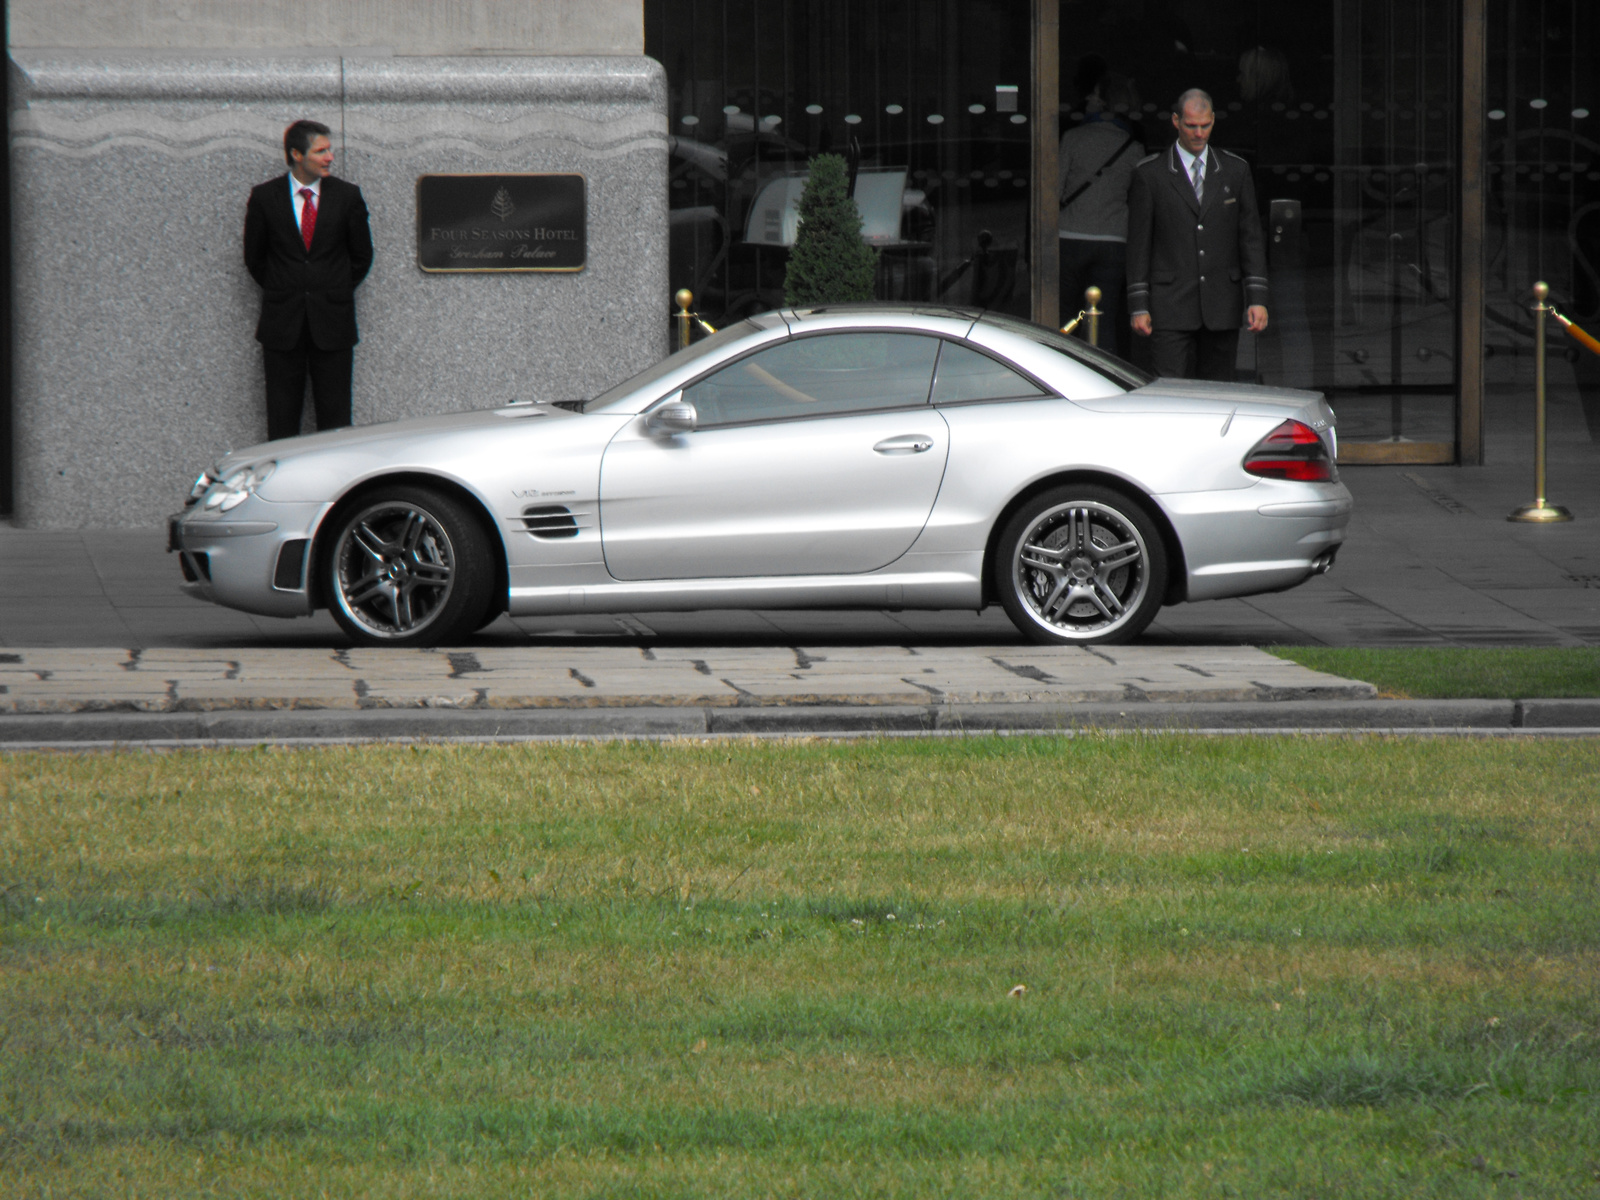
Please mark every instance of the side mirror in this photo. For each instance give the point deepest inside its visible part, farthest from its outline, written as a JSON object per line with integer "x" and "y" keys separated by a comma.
{"x": 677, "y": 416}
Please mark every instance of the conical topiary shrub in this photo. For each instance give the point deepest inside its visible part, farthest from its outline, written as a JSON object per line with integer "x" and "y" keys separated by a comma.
{"x": 829, "y": 264}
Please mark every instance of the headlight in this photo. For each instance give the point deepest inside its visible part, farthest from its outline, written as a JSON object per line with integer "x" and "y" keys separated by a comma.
{"x": 233, "y": 489}
{"x": 205, "y": 480}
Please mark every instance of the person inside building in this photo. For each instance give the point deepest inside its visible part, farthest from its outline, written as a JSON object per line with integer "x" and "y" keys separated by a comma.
{"x": 1096, "y": 167}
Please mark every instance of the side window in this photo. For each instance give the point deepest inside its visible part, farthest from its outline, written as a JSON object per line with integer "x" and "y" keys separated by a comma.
{"x": 965, "y": 374}
{"x": 818, "y": 376}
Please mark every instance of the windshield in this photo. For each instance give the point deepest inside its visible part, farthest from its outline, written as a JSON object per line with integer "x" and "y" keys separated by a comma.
{"x": 670, "y": 364}
{"x": 1118, "y": 370}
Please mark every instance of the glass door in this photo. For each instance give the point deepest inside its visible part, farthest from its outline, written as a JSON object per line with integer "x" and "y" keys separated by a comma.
{"x": 1542, "y": 119}
{"x": 1395, "y": 372}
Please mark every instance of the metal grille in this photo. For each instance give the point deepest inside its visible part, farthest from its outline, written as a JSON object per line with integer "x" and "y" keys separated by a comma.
{"x": 550, "y": 521}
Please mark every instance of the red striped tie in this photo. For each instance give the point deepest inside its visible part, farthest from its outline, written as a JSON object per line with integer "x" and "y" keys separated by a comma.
{"x": 308, "y": 216}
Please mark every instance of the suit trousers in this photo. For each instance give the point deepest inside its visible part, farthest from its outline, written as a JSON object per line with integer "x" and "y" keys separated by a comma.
{"x": 1194, "y": 353}
{"x": 1103, "y": 265}
{"x": 287, "y": 371}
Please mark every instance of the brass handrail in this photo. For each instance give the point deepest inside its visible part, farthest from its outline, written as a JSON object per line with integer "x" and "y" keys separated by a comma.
{"x": 1583, "y": 339}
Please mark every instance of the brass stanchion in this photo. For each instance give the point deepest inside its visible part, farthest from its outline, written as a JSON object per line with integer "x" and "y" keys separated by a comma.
{"x": 683, "y": 299}
{"x": 1091, "y": 296}
{"x": 1540, "y": 511}
{"x": 686, "y": 318}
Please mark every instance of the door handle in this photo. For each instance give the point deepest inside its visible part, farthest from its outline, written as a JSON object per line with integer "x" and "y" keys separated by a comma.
{"x": 907, "y": 443}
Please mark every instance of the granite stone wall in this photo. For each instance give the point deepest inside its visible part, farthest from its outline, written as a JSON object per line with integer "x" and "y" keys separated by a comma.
{"x": 135, "y": 363}
{"x": 395, "y": 26}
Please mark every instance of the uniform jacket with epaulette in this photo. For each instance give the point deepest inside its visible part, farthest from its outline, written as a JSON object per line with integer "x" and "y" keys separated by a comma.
{"x": 1194, "y": 265}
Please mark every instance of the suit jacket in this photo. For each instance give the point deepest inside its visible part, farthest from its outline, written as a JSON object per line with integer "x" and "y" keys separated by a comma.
{"x": 1194, "y": 265}
{"x": 302, "y": 288}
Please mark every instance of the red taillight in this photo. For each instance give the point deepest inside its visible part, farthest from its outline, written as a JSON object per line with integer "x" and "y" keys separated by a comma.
{"x": 1291, "y": 451}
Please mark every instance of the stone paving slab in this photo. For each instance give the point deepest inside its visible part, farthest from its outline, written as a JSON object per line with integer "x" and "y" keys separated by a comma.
{"x": 74, "y": 680}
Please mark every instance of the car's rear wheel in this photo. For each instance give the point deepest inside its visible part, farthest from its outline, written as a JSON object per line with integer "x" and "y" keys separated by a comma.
{"x": 1080, "y": 565}
{"x": 408, "y": 566}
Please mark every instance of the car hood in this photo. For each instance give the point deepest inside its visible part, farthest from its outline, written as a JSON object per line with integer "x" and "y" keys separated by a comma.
{"x": 391, "y": 431}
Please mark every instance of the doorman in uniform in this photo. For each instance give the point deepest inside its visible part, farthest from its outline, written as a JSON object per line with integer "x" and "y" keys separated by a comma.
{"x": 1197, "y": 261}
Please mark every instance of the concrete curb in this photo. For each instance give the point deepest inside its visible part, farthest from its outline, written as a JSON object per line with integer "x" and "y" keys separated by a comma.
{"x": 343, "y": 725}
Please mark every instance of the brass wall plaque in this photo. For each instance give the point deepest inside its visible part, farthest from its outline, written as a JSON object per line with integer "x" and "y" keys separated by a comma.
{"x": 477, "y": 223}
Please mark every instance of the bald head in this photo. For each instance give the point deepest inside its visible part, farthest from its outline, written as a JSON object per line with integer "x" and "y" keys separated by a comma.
{"x": 1194, "y": 119}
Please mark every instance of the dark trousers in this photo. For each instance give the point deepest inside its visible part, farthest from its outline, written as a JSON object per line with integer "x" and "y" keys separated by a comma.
{"x": 1103, "y": 265}
{"x": 1194, "y": 353}
{"x": 287, "y": 371}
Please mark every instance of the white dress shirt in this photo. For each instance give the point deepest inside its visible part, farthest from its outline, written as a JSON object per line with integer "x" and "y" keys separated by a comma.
{"x": 299, "y": 201}
{"x": 1188, "y": 163}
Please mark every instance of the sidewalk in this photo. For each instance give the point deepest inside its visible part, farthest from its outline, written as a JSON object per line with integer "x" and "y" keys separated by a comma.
{"x": 576, "y": 676}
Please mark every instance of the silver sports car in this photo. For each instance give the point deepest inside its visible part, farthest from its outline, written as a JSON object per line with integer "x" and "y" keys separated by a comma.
{"x": 837, "y": 457}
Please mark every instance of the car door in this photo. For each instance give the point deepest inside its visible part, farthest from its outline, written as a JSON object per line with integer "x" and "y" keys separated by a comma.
{"x": 817, "y": 455}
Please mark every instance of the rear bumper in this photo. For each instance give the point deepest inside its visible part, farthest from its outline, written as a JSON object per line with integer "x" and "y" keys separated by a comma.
{"x": 1259, "y": 539}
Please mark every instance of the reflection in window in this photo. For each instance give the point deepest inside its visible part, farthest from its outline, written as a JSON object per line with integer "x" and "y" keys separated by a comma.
{"x": 905, "y": 90}
{"x": 818, "y": 376}
{"x": 965, "y": 374}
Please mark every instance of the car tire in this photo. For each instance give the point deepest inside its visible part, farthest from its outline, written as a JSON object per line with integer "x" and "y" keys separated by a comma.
{"x": 408, "y": 566}
{"x": 1081, "y": 565}
{"x": 490, "y": 615}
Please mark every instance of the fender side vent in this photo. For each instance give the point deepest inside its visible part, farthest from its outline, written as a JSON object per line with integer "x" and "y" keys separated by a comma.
{"x": 550, "y": 521}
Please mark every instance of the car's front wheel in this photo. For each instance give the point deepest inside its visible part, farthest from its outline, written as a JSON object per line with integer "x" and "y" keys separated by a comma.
{"x": 1081, "y": 565}
{"x": 408, "y": 566}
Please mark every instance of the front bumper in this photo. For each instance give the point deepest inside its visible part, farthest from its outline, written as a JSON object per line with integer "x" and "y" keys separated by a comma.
{"x": 256, "y": 558}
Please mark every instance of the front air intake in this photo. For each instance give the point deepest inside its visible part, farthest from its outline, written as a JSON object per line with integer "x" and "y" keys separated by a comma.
{"x": 196, "y": 566}
{"x": 287, "y": 574}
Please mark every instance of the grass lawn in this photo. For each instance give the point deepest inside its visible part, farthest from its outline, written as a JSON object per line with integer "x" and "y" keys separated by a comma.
{"x": 1460, "y": 672}
{"x": 1086, "y": 967}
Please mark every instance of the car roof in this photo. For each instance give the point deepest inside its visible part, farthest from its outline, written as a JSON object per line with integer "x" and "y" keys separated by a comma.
{"x": 867, "y": 310}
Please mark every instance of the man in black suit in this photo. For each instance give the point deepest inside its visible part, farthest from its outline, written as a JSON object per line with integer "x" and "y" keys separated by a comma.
{"x": 307, "y": 243}
{"x": 1197, "y": 264}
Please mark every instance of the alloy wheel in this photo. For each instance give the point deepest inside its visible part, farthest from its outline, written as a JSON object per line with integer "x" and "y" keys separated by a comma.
{"x": 1081, "y": 570}
{"x": 394, "y": 570}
